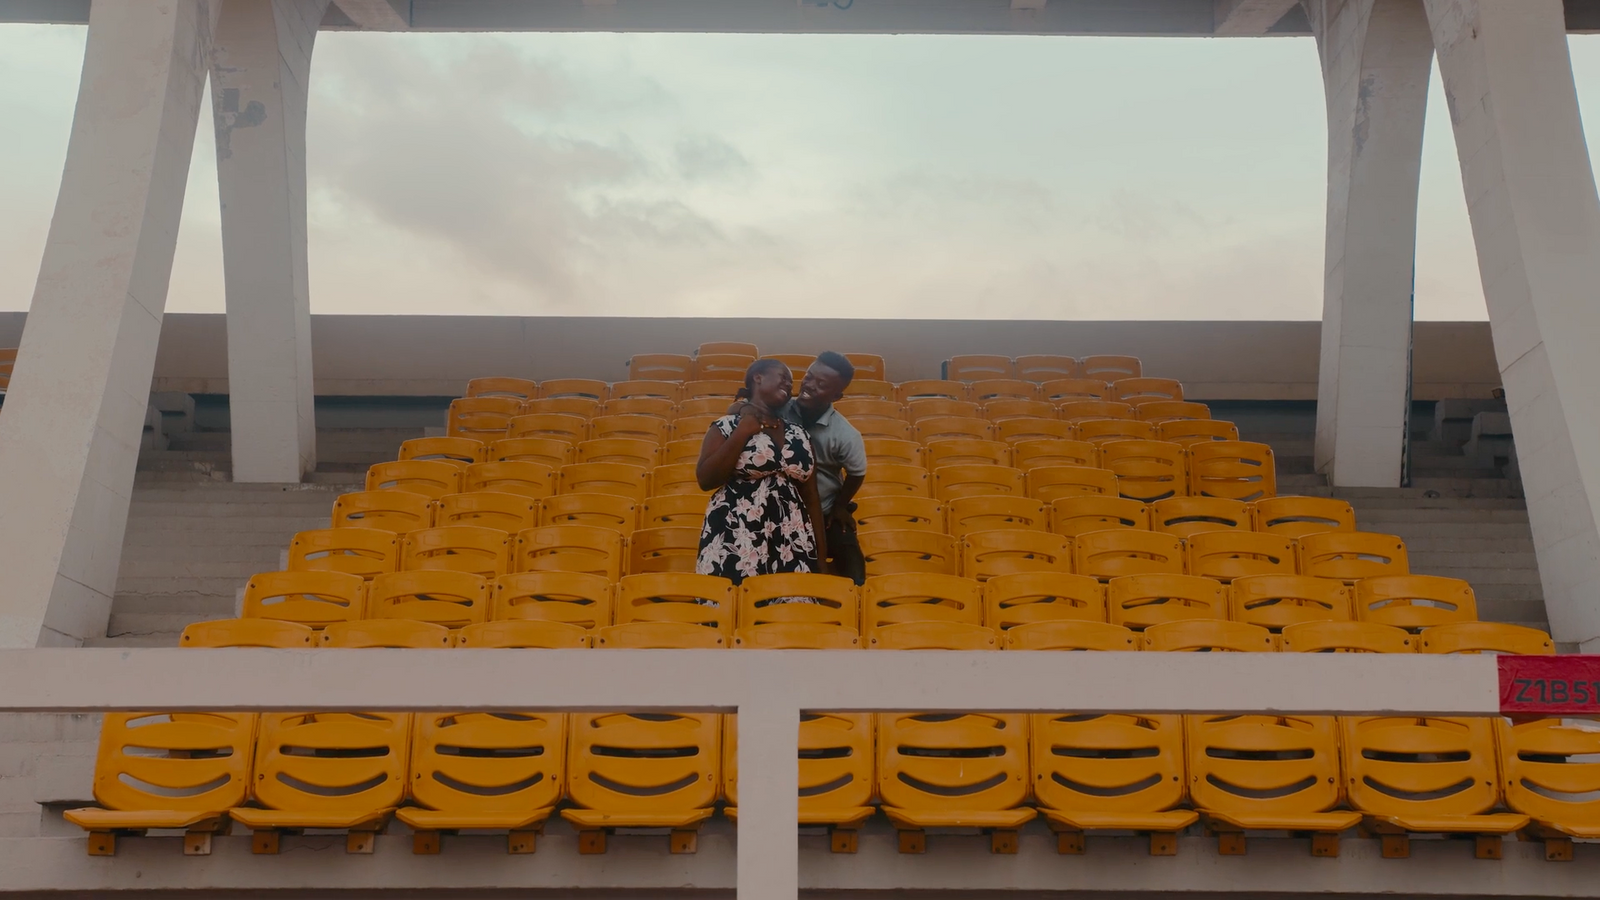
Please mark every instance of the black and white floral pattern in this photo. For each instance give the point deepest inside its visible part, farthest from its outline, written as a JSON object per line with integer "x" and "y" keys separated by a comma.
{"x": 756, "y": 524}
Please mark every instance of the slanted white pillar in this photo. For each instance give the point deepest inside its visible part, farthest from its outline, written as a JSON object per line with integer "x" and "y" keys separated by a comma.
{"x": 261, "y": 64}
{"x": 1376, "y": 59}
{"x": 1536, "y": 220}
{"x": 74, "y": 414}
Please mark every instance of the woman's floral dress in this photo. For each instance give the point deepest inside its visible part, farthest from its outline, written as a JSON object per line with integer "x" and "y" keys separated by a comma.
{"x": 756, "y": 524}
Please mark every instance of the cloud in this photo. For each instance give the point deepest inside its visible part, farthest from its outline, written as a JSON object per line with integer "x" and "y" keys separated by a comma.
{"x": 709, "y": 158}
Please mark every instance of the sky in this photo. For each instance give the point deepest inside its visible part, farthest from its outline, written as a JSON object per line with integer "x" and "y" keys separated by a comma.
{"x": 971, "y": 177}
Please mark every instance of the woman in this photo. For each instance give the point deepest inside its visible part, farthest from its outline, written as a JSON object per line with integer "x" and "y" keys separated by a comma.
{"x": 765, "y": 516}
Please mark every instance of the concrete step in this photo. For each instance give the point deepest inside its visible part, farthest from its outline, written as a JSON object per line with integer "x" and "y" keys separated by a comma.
{"x": 211, "y": 585}
{"x": 1461, "y": 515}
{"x": 1483, "y": 576}
{"x": 154, "y": 639}
{"x": 219, "y": 508}
{"x": 1429, "y": 560}
{"x": 150, "y": 626}
{"x": 175, "y": 557}
{"x": 1509, "y": 593}
{"x": 199, "y": 542}
{"x": 1425, "y": 543}
{"x": 262, "y": 524}
{"x": 195, "y": 567}
{"x": 255, "y": 493}
{"x": 203, "y": 605}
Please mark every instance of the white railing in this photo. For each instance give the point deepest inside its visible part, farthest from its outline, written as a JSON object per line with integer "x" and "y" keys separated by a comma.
{"x": 767, "y": 688}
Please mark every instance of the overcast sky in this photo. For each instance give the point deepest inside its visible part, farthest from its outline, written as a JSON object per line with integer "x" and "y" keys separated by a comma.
{"x": 896, "y": 176}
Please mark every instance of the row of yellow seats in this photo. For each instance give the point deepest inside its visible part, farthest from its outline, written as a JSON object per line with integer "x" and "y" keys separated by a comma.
{"x": 403, "y": 511}
{"x": 1000, "y": 409}
{"x": 1147, "y": 471}
{"x": 1018, "y": 429}
{"x": 1041, "y": 367}
{"x": 1291, "y": 516}
{"x": 727, "y": 359}
{"x": 435, "y": 479}
{"x": 1157, "y": 775}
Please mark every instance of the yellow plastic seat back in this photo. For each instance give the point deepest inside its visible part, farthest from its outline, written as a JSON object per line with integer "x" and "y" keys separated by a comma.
{"x": 1226, "y": 555}
{"x": 910, "y": 481}
{"x": 798, "y": 597}
{"x": 928, "y": 388}
{"x": 527, "y": 479}
{"x": 1413, "y": 602}
{"x": 1071, "y": 635}
{"x": 1412, "y": 767}
{"x": 1208, "y": 635}
{"x": 1278, "y": 601}
{"x": 882, "y": 428}
{"x": 610, "y": 511}
{"x": 1139, "y": 601}
{"x": 551, "y": 451}
{"x": 628, "y": 451}
{"x": 865, "y": 386}
{"x": 522, "y": 634}
{"x": 666, "y": 549}
{"x": 727, "y": 389}
{"x": 1158, "y": 411}
{"x": 966, "y": 452}
{"x": 920, "y": 408}
{"x": 661, "y": 367}
{"x": 869, "y": 367}
{"x": 671, "y": 609}
{"x": 994, "y": 513}
{"x": 1103, "y": 430}
{"x": 1023, "y": 598}
{"x": 836, "y": 767}
{"x": 487, "y": 509}
{"x": 653, "y": 429}
{"x": 176, "y": 767}
{"x": 655, "y": 769}
{"x": 309, "y": 598}
{"x": 456, "y": 450}
{"x": 355, "y": 551}
{"x": 397, "y": 511}
{"x": 712, "y": 366}
{"x": 999, "y": 409}
{"x": 430, "y": 478}
{"x": 1550, "y": 772}
{"x": 952, "y": 769}
{"x": 1146, "y": 390}
{"x": 798, "y": 363}
{"x": 1486, "y": 637}
{"x": 632, "y": 482}
{"x": 1265, "y": 771}
{"x": 586, "y": 407}
{"x": 482, "y": 418}
{"x": 640, "y": 405}
{"x": 1079, "y": 411}
{"x": 1067, "y": 390}
{"x": 1072, "y": 516}
{"x": 453, "y": 599}
{"x": 677, "y": 510}
{"x": 899, "y": 512}
{"x": 569, "y": 548}
{"x": 977, "y": 367}
{"x": 1186, "y": 516}
{"x": 391, "y": 634}
{"x": 887, "y": 450}
{"x": 906, "y": 551}
{"x": 515, "y": 388}
{"x": 945, "y": 428}
{"x": 1345, "y": 637}
{"x": 665, "y": 389}
{"x": 988, "y": 390}
{"x": 348, "y": 767}
{"x": 592, "y": 388}
{"x": 1353, "y": 555}
{"x": 456, "y": 548}
{"x": 1009, "y": 551}
{"x": 1033, "y": 453}
{"x": 1297, "y": 517}
{"x": 1047, "y": 368}
{"x": 851, "y": 407}
{"x": 1052, "y": 483}
{"x": 567, "y": 427}
{"x": 1126, "y": 551}
{"x": 678, "y": 478}
{"x": 1029, "y": 429}
{"x": 1192, "y": 431}
{"x": 716, "y": 405}
{"x": 952, "y": 482}
{"x": 1106, "y": 771}
{"x": 248, "y": 633}
{"x": 1111, "y": 367}
{"x": 894, "y": 599}
{"x": 681, "y": 450}
{"x": 571, "y": 598}
{"x": 488, "y": 770}
{"x": 1237, "y": 470}
{"x": 1146, "y": 470}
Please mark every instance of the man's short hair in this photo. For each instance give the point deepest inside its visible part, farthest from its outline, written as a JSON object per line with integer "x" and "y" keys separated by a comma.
{"x": 838, "y": 363}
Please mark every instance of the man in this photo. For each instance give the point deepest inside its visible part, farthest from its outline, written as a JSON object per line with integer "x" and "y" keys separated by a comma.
{"x": 840, "y": 453}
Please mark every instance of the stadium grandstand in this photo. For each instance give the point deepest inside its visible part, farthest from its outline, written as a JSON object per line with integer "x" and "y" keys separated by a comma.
{"x": 338, "y": 605}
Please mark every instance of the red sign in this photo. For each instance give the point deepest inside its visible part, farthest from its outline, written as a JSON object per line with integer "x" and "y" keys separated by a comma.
{"x": 1550, "y": 685}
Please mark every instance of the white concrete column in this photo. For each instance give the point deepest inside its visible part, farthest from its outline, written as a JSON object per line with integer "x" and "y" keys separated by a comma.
{"x": 768, "y": 866}
{"x": 259, "y": 74}
{"x": 1536, "y": 220}
{"x": 74, "y": 414}
{"x": 1376, "y": 59}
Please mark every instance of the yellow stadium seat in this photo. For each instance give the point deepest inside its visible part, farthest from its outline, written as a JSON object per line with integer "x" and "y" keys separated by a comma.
{"x": 1352, "y": 555}
{"x": 554, "y": 452}
{"x": 1033, "y": 453}
{"x": 428, "y": 478}
{"x": 486, "y": 771}
{"x": 569, "y": 548}
{"x": 966, "y": 451}
{"x": 1034, "y": 430}
{"x": 523, "y": 634}
{"x": 999, "y": 409}
{"x": 1190, "y": 431}
{"x": 1300, "y": 516}
{"x": 1113, "y": 772}
{"x": 168, "y": 770}
{"x": 396, "y": 511}
{"x": 1420, "y": 775}
{"x": 952, "y": 482}
{"x": 899, "y": 512}
{"x": 881, "y": 427}
{"x": 737, "y": 348}
{"x": 1024, "y": 598}
{"x": 896, "y": 480}
{"x": 357, "y": 551}
{"x": 988, "y": 513}
{"x": 515, "y": 388}
{"x": 1011, "y": 551}
{"x": 1549, "y": 772}
{"x": 1067, "y": 390}
{"x": 453, "y": 599}
{"x": 577, "y": 602}
{"x": 645, "y": 388}
{"x": 836, "y": 773}
{"x": 1237, "y": 470}
{"x": 863, "y": 386}
{"x": 1070, "y": 634}
{"x": 343, "y": 771}
{"x": 483, "y": 418}
{"x": 1137, "y": 391}
{"x": 671, "y": 609}
{"x": 851, "y": 407}
{"x": 1208, "y": 635}
{"x": 662, "y": 407}
{"x": 477, "y": 549}
{"x": 682, "y": 450}
{"x": 909, "y": 551}
{"x": 527, "y": 479}
{"x": 1486, "y": 637}
{"x": 1111, "y": 367}
{"x": 627, "y": 770}
{"x": 564, "y": 426}
{"x": 249, "y": 633}
{"x": 1226, "y": 555}
{"x": 1345, "y": 637}
{"x": 1072, "y": 516}
{"x": 628, "y": 451}
{"x": 1278, "y": 601}
{"x": 721, "y": 366}
{"x": 941, "y": 428}
{"x": 665, "y": 549}
{"x": 308, "y": 598}
{"x": 954, "y": 771}
{"x": 798, "y": 363}
{"x": 869, "y": 367}
{"x": 726, "y": 389}
{"x": 575, "y": 387}
{"x": 680, "y": 478}
{"x": 997, "y": 390}
{"x": 977, "y": 367}
{"x": 679, "y": 510}
{"x": 1146, "y": 470}
{"x": 1076, "y": 410}
{"x": 889, "y": 450}
{"x": 893, "y": 601}
{"x": 661, "y": 367}
{"x": 928, "y": 388}
{"x": 632, "y": 482}
{"x": 459, "y": 450}
{"x": 1186, "y": 516}
{"x": 692, "y": 428}
{"x": 1046, "y": 368}
{"x": 491, "y": 509}
{"x": 1267, "y": 773}
{"x": 1051, "y": 483}
{"x": 1139, "y": 601}
{"x": 1101, "y": 431}
{"x": 587, "y": 407}
{"x": 391, "y": 634}
{"x": 798, "y": 611}
{"x": 934, "y": 636}
{"x": 1158, "y": 411}
{"x": 637, "y": 427}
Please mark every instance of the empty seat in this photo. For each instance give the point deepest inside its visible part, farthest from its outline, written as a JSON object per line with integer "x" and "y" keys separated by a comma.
{"x": 428, "y": 478}
{"x": 554, "y": 452}
{"x": 903, "y": 551}
{"x": 357, "y": 551}
{"x": 930, "y": 607}
{"x": 1076, "y": 410}
{"x": 527, "y": 479}
{"x": 569, "y": 606}
{"x": 966, "y": 451}
{"x": 939, "y": 428}
{"x": 882, "y": 427}
{"x": 522, "y": 634}
{"x": 587, "y": 407}
{"x": 724, "y": 388}
{"x": 613, "y": 511}
{"x": 906, "y": 391}
{"x": 1237, "y": 470}
{"x": 491, "y": 509}
{"x": 1139, "y": 601}
{"x": 249, "y": 633}
{"x": 1278, "y": 601}
{"x": 1025, "y": 598}
{"x": 1146, "y": 470}
{"x": 664, "y": 389}
{"x": 451, "y": 598}
{"x": 515, "y": 388}
{"x": 567, "y": 427}
{"x": 798, "y": 363}
{"x": 483, "y": 418}
{"x": 899, "y": 512}
{"x": 632, "y": 482}
{"x": 1046, "y": 368}
{"x": 1111, "y": 367}
{"x": 986, "y": 554}
{"x": 889, "y": 450}
{"x": 1189, "y": 431}
{"x": 1550, "y": 773}
{"x": 456, "y": 548}
{"x": 1112, "y": 772}
{"x": 1411, "y": 774}
{"x": 1000, "y": 409}
{"x": 1034, "y": 453}
{"x": 680, "y": 478}
{"x": 634, "y": 427}
{"x": 593, "y": 388}
{"x": 694, "y": 428}
{"x": 953, "y": 482}
{"x": 459, "y": 450}
{"x": 307, "y": 598}
{"x": 1070, "y": 634}
{"x": 798, "y": 610}
{"x": 954, "y": 771}
{"x": 1101, "y": 431}
{"x": 390, "y": 634}
{"x": 662, "y": 407}
{"x": 851, "y": 407}
{"x": 1352, "y": 555}
{"x": 671, "y": 609}
{"x": 343, "y": 771}
{"x": 1267, "y": 773}
{"x": 664, "y": 549}
{"x": 490, "y": 771}
{"x": 1033, "y": 429}
{"x": 996, "y": 390}
{"x": 836, "y": 773}
{"x": 569, "y": 548}
{"x": 721, "y": 366}
{"x": 396, "y": 511}
{"x": 1051, "y": 483}
{"x": 988, "y": 513}
{"x": 682, "y": 450}
{"x": 1226, "y": 555}
{"x": 976, "y": 367}
{"x": 869, "y": 367}
{"x": 1208, "y": 635}
{"x": 1300, "y": 516}
{"x": 1137, "y": 391}
{"x": 1158, "y": 411}
{"x": 896, "y": 480}
{"x": 1186, "y": 516}
{"x": 628, "y": 451}
{"x": 1066, "y": 390}
{"x": 1486, "y": 637}
{"x": 862, "y": 386}
{"x": 1072, "y": 516}
{"x": 737, "y": 348}
{"x": 656, "y": 770}
{"x": 681, "y": 510}
{"x": 1345, "y": 637}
